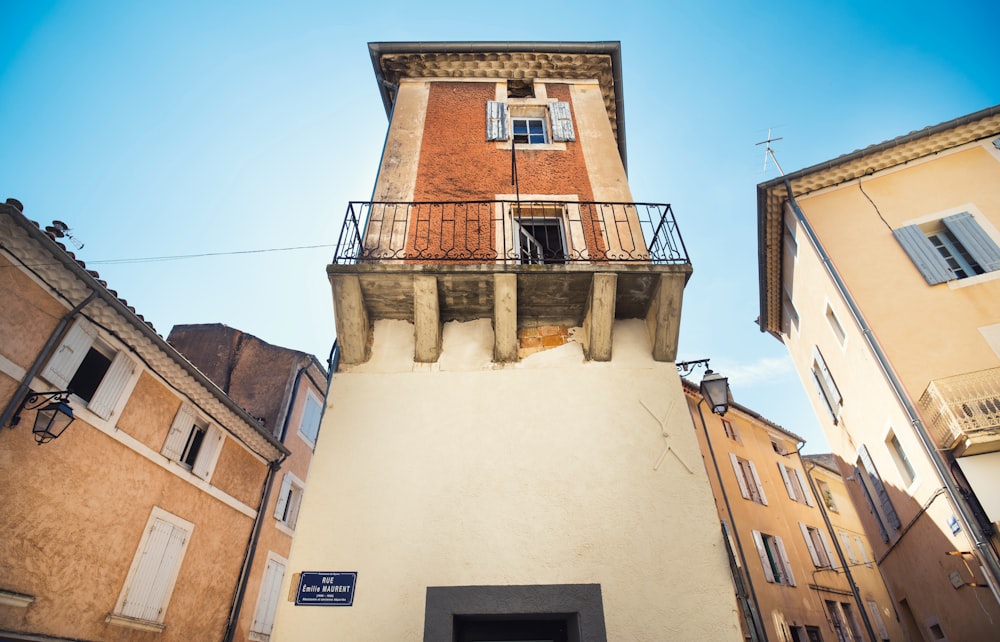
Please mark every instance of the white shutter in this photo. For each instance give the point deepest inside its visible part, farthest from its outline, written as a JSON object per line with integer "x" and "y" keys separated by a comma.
{"x": 862, "y": 551}
{"x": 267, "y": 599}
{"x": 208, "y": 454}
{"x": 180, "y": 430}
{"x": 845, "y": 542}
{"x": 294, "y": 502}
{"x": 756, "y": 480}
{"x": 788, "y": 482}
{"x": 920, "y": 250}
{"x": 279, "y": 508}
{"x": 812, "y": 549}
{"x": 784, "y": 560}
{"x": 764, "y": 561}
{"x": 739, "y": 477}
{"x": 66, "y": 359}
{"x": 496, "y": 120}
{"x": 877, "y": 617}
{"x": 562, "y": 121}
{"x": 829, "y": 549}
{"x": 154, "y": 574}
{"x": 805, "y": 486}
{"x": 975, "y": 240}
{"x": 309, "y": 426}
{"x": 112, "y": 385}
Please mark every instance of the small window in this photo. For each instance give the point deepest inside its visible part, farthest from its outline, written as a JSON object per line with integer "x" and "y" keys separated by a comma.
{"x": 530, "y": 131}
{"x": 747, "y": 479}
{"x": 863, "y": 551}
{"x": 193, "y": 442}
{"x": 290, "y": 494}
{"x": 795, "y": 484}
{"x": 730, "y": 430}
{"x": 876, "y": 494}
{"x": 845, "y": 544}
{"x": 790, "y": 318}
{"x": 819, "y": 548}
{"x": 838, "y": 330}
{"x": 540, "y": 237}
{"x": 827, "y": 495}
{"x": 267, "y": 598}
{"x": 899, "y": 457}
{"x": 826, "y": 387}
{"x": 877, "y": 620}
{"x": 312, "y": 413}
{"x": 773, "y": 558}
{"x": 90, "y": 373}
{"x": 954, "y": 247}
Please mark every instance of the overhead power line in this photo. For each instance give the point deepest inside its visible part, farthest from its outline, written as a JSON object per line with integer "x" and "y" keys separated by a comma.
{"x": 176, "y": 257}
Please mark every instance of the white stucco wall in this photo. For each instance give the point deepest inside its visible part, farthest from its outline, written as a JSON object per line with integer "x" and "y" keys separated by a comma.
{"x": 550, "y": 471}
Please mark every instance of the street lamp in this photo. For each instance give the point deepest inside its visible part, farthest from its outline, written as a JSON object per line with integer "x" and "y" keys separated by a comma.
{"x": 52, "y": 419}
{"x": 715, "y": 391}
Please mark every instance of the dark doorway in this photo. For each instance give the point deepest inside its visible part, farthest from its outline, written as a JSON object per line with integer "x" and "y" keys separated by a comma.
{"x": 473, "y": 629}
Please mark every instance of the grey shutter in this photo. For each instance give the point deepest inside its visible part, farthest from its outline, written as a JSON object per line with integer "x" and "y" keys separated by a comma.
{"x": 496, "y": 120}
{"x": 112, "y": 385}
{"x": 756, "y": 480}
{"x": 208, "y": 453}
{"x": 805, "y": 486}
{"x": 562, "y": 122}
{"x": 154, "y": 572}
{"x": 267, "y": 602}
{"x": 809, "y": 545}
{"x": 64, "y": 362}
{"x": 739, "y": 476}
{"x": 829, "y": 549}
{"x": 788, "y": 482}
{"x": 762, "y": 552}
{"x": 871, "y": 504}
{"x": 922, "y": 253}
{"x": 177, "y": 438}
{"x": 279, "y": 507}
{"x": 975, "y": 240}
{"x": 831, "y": 386}
{"x": 784, "y": 560}
{"x": 883, "y": 496}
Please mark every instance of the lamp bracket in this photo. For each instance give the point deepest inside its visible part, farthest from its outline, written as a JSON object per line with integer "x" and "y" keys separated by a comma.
{"x": 34, "y": 400}
{"x": 684, "y": 368}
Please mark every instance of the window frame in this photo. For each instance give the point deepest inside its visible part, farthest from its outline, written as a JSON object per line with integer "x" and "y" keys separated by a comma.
{"x": 796, "y": 484}
{"x": 897, "y": 453}
{"x": 872, "y": 486}
{"x": 268, "y": 596}
{"x": 746, "y": 472}
{"x": 971, "y": 233}
{"x": 529, "y": 135}
{"x": 773, "y": 558}
{"x": 827, "y": 494}
{"x": 313, "y": 405}
{"x": 818, "y": 544}
{"x": 143, "y": 563}
{"x": 289, "y": 502}
{"x": 178, "y": 442}
{"x": 826, "y": 386}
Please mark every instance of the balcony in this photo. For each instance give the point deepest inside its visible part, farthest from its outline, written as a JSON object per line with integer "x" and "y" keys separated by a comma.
{"x": 564, "y": 263}
{"x": 962, "y": 413}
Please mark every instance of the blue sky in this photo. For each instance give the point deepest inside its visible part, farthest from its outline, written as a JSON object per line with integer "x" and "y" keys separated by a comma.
{"x": 182, "y": 128}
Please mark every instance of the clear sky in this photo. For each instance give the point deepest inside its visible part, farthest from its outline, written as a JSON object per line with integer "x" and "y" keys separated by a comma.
{"x": 161, "y": 129}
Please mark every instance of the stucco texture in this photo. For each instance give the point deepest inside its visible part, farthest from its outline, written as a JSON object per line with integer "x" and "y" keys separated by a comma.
{"x": 555, "y": 471}
{"x": 28, "y": 315}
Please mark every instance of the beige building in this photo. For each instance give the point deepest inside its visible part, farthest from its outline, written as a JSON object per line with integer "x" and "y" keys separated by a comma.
{"x": 284, "y": 390}
{"x": 802, "y": 567}
{"x": 878, "y": 271}
{"x": 135, "y": 522}
{"x": 505, "y": 452}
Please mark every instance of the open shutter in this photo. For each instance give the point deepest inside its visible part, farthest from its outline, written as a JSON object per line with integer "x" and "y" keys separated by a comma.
{"x": 62, "y": 365}
{"x": 267, "y": 602}
{"x": 788, "y": 482}
{"x": 208, "y": 454}
{"x": 862, "y": 551}
{"x": 845, "y": 544}
{"x": 922, "y": 253}
{"x": 883, "y": 496}
{"x": 180, "y": 430}
{"x": 975, "y": 240}
{"x": 831, "y": 386}
{"x": 784, "y": 560}
{"x": 562, "y": 122}
{"x": 496, "y": 120}
{"x": 739, "y": 476}
{"x": 764, "y": 561}
{"x": 756, "y": 480}
{"x": 112, "y": 385}
{"x": 804, "y": 486}
{"x": 812, "y": 549}
{"x": 871, "y": 504}
{"x": 155, "y": 572}
{"x": 829, "y": 549}
{"x": 279, "y": 508}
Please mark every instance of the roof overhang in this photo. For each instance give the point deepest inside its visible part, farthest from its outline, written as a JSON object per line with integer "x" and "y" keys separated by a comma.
{"x": 505, "y": 60}
{"x": 774, "y": 194}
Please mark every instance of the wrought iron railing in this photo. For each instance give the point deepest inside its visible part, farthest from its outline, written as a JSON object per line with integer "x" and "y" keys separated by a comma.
{"x": 509, "y": 232}
{"x": 963, "y": 407}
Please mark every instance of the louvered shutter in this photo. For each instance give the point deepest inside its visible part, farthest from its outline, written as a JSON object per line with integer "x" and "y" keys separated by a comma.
{"x": 739, "y": 476}
{"x": 831, "y": 385}
{"x": 883, "y": 496}
{"x": 922, "y": 253}
{"x": 208, "y": 453}
{"x": 279, "y": 508}
{"x": 975, "y": 240}
{"x": 267, "y": 601}
{"x": 762, "y": 552}
{"x": 788, "y": 482}
{"x": 309, "y": 426}
{"x": 804, "y": 485}
{"x": 845, "y": 544}
{"x": 496, "y": 120}
{"x": 562, "y": 122}
{"x": 871, "y": 504}
{"x": 112, "y": 385}
{"x": 64, "y": 362}
{"x": 180, "y": 430}
{"x": 784, "y": 560}
{"x": 152, "y": 578}
{"x": 812, "y": 549}
{"x": 862, "y": 551}
{"x": 829, "y": 549}
{"x": 756, "y": 481}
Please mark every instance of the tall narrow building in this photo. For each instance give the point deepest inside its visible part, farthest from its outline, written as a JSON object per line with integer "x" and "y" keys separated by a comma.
{"x": 506, "y": 451}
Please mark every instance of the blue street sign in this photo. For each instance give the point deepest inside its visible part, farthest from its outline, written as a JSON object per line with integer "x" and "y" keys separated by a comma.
{"x": 326, "y": 589}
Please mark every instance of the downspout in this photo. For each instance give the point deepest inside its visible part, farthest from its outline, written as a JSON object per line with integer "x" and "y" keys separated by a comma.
{"x": 236, "y": 606}
{"x": 42, "y": 357}
{"x": 836, "y": 544}
{"x": 757, "y": 631}
{"x": 991, "y": 563}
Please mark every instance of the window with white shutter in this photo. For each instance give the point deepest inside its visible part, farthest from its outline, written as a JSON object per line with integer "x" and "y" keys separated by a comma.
{"x": 312, "y": 413}
{"x": 286, "y": 509}
{"x": 267, "y": 598}
{"x": 954, "y": 247}
{"x": 193, "y": 443}
{"x": 826, "y": 387}
{"x": 773, "y": 558}
{"x": 154, "y": 570}
{"x": 748, "y": 479}
{"x": 878, "y": 497}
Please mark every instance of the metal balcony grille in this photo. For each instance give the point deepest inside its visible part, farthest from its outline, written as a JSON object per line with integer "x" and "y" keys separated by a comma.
{"x": 508, "y": 232}
{"x": 963, "y": 408}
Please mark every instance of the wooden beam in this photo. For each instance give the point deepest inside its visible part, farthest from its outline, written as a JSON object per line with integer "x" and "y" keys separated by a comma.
{"x": 664, "y": 317}
{"x": 426, "y": 319}
{"x": 351, "y": 318}
{"x": 600, "y": 317}
{"x": 504, "y": 317}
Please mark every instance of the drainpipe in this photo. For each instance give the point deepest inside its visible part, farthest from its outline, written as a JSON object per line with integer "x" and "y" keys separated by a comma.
{"x": 836, "y": 544}
{"x": 991, "y": 565}
{"x": 757, "y": 631}
{"x": 42, "y": 357}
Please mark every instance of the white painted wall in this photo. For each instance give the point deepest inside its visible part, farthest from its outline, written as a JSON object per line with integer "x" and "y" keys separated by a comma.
{"x": 541, "y": 472}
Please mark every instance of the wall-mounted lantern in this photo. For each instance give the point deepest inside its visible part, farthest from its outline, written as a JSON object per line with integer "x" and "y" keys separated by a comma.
{"x": 53, "y": 417}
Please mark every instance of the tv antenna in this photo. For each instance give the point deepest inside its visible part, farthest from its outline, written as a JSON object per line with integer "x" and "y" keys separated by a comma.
{"x": 770, "y": 152}
{"x": 58, "y": 230}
